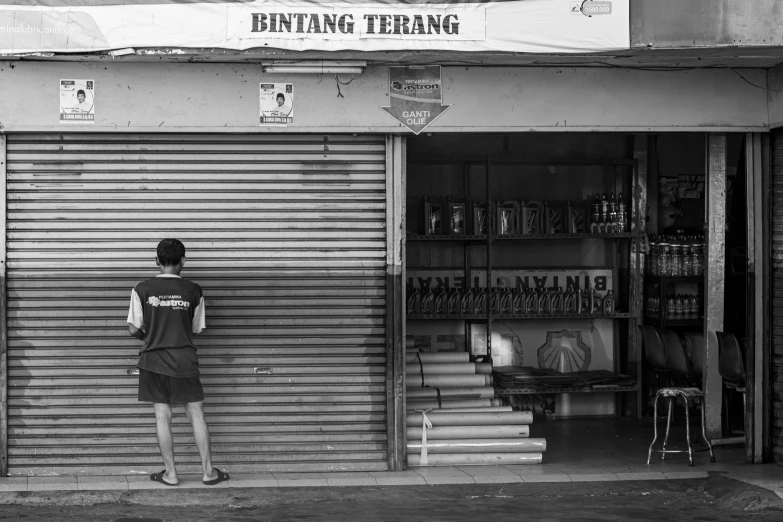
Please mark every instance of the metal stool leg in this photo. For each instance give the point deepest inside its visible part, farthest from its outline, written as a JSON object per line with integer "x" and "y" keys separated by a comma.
{"x": 669, "y": 417}
{"x": 688, "y": 429}
{"x": 704, "y": 429}
{"x": 655, "y": 428}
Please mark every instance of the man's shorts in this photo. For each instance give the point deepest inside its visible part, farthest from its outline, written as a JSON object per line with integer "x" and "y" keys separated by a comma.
{"x": 154, "y": 387}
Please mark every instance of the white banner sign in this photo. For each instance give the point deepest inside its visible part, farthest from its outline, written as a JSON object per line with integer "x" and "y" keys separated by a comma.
{"x": 530, "y": 26}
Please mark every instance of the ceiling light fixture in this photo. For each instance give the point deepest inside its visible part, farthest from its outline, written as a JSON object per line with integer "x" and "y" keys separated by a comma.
{"x": 314, "y": 67}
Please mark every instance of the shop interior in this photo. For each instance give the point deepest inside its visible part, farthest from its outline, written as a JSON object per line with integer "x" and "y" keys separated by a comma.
{"x": 559, "y": 240}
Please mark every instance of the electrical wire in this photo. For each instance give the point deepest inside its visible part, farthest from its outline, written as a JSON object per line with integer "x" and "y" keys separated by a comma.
{"x": 339, "y": 83}
{"x": 750, "y": 82}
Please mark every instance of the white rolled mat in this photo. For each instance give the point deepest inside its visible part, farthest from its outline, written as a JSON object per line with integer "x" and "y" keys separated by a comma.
{"x": 446, "y": 404}
{"x": 448, "y": 381}
{"x": 437, "y": 357}
{"x": 471, "y": 419}
{"x": 483, "y": 409}
{"x": 440, "y": 368}
{"x": 483, "y": 368}
{"x": 484, "y": 392}
{"x": 516, "y": 445}
{"x": 468, "y": 432}
{"x": 470, "y": 459}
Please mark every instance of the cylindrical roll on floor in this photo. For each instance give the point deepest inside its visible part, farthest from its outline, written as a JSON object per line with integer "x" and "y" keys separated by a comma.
{"x": 483, "y": 392}
{"x": 468, "y": 432}
{"x": 448, "y": 381}
{"x": 516, "y": 445}
{"x": 483, "y": 368}
{"x": 477, "y": 459}
{"x": 446, "y": 404}
{"x": 437, "y": 357}
{"x": 441, "y": 368}
{"x": 472, "y": 419}
{"x": 472, "y": 410}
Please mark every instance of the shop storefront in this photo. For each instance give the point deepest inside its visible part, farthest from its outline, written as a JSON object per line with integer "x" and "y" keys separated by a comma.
{"x": 299, "y": 231}
{"x": 294, "y": 356}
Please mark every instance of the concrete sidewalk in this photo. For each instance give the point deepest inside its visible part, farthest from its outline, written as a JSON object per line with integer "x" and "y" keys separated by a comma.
{"x": 767, "y": 476}
{"x": 577, "y": 451}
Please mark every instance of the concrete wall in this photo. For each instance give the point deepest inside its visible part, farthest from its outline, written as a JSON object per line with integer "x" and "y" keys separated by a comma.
{"x": 705, "y": 23}
{"x": 164, "y": 97}
{"x": 775, "y": 95}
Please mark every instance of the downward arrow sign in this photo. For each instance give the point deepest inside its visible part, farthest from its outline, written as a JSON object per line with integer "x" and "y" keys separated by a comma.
{"x": 415, "y": 96}
{"x": 415, "y": 115}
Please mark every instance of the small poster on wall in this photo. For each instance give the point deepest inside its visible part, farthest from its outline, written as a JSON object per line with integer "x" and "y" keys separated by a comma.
{"x": 77, "y": 101}
{"x": 277, "y": 103}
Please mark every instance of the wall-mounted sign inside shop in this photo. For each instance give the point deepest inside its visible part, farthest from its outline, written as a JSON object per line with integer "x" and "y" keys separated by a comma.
{"x": 415, "y": 96}
{"x": 599, "y": 279}
{"x": 530, "y": 26}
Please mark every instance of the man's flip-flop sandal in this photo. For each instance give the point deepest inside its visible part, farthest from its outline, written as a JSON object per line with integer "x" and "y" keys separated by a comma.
{"x": 222, "y": 476}
{"x": 158, "y": 477}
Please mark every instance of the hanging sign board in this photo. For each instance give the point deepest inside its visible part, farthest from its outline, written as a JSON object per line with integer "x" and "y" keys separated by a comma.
{"x": 415, "y": 96}
{"x": 528, "y": 26}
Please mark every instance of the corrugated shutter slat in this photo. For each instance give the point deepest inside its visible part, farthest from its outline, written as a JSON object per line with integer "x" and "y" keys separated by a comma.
{"x": 287, "y": 237}
{"x": 777, "y": 292}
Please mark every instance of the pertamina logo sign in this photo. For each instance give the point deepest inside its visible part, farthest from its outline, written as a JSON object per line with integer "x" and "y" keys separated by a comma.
{"x": 591, "y": 8}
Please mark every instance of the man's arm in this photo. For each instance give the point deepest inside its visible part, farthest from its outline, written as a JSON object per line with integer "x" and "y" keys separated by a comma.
{"x": 136, "y": 332}
{"x": 136, "y": 317}
{"x": 199, "y": 317}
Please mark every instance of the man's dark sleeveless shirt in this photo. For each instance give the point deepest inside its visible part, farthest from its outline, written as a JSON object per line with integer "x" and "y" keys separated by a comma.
{"x": 169, "y": 305}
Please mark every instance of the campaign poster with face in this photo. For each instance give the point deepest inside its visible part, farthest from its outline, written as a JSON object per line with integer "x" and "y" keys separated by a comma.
{"x": 77, "y": 101}
{"x": 277, "y": 103}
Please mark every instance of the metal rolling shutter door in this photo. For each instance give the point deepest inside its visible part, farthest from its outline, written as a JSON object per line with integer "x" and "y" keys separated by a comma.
{"x": 776, "y": 370}
{"x": 285, "y": 234}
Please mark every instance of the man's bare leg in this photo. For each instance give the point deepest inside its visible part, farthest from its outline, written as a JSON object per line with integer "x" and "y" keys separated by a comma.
{"x": 165, "y": 440}
{"x": 195, "y": 412}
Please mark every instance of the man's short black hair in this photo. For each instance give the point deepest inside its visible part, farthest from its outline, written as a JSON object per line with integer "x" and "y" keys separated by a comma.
{"x": 280, "y": 95}
{"x": 170, "y": 252}
{"x": 81, "y": 92}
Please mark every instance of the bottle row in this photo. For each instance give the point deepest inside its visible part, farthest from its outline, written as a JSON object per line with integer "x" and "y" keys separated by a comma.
{"x": 676, "y": 256}
{"x": 674, "y": 306}
{"x": 521, "y": 301}
{"x": 451, "y": 216}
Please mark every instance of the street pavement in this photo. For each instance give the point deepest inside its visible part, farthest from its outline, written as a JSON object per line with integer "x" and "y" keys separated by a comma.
{"x": 717, "y": 499}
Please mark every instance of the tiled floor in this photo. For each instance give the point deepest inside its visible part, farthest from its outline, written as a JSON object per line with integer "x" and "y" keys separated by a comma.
{"x": 577, "y": 451}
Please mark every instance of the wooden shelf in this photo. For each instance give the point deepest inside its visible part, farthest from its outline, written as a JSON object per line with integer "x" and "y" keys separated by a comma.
{"x": 519, "y": 237}
{"x": 673, "y": 279}
{"x": 522, "y": 160}
{"x": 619, "y": 315}
{"x": 673, "y": 322}
{"x": 544, "y": 391}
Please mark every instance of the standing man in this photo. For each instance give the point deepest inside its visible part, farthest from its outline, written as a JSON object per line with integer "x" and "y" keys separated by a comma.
{"x": 165, "y": 312}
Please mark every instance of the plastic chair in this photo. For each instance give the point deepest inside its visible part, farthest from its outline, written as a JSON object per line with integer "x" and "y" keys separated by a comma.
{"x": 696, "y": 347}
{"x": 681, "y": 367}
{"x": 731, "y": 360}
{"x": 654, "y": 352}
{"x": 731, "y": 366}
